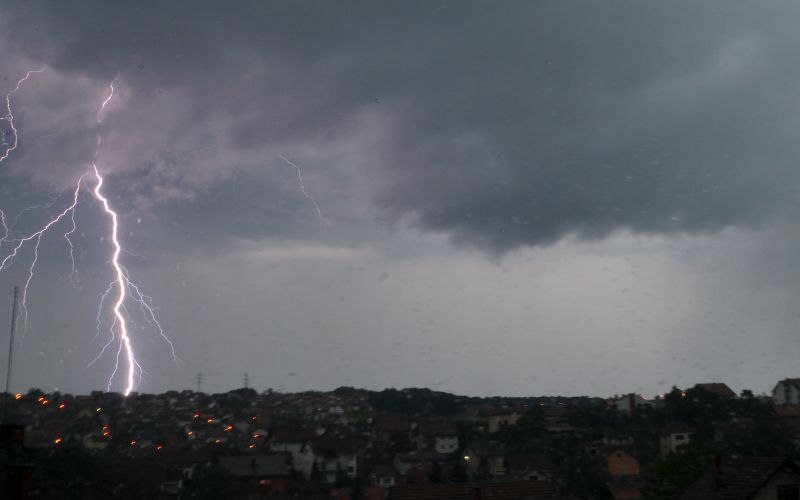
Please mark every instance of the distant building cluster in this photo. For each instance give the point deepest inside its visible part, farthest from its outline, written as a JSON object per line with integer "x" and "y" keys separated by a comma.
{"x": 404, "y": 444}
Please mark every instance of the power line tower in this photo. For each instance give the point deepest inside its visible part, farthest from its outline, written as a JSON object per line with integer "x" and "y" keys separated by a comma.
{"x": 246, "y": 380}
{"x": 199, "y": 380}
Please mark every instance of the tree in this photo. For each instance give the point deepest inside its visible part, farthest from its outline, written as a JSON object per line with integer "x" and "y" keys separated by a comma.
{"x": 675, "y": 472}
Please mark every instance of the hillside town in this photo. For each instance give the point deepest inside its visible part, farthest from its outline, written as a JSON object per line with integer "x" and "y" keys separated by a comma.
{"x": 704, "y": 441}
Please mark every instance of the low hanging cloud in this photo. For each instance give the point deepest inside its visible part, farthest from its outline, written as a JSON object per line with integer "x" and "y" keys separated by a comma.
{"x": 501, "y": 126}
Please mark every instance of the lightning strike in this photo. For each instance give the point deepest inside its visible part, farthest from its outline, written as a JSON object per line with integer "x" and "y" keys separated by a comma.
{"x": 125, "y": 288}
{"x": 122, "y": 287}
{"x": 321, "y": 217}
{"x": 10, "y": 113}
{"x": 107, "y": 100}
{"x": 120, "y": 284}
{"x": 5, "y": 228}
{"x": 36, "y": 238}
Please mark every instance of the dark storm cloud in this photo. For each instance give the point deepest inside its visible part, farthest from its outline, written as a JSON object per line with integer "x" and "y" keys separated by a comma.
{"x": 501, "y": 125}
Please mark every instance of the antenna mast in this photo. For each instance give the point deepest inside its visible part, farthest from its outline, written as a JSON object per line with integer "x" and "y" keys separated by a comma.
{"x": 10, "y": 351}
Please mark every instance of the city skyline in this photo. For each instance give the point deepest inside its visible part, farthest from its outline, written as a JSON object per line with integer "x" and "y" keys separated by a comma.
{"x": 559, "y": 198}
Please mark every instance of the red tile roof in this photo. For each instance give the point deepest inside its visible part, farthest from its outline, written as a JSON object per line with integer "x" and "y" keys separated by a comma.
{"x": 437, "y": 429}
{"x": 787, "y": 410}
{"x": 676, "y": 428}
{"x": 791, "y": 381}
{"x": 737, "y": 478}
{"x": 721, "y": 390}
{"x": 392, "y": 423}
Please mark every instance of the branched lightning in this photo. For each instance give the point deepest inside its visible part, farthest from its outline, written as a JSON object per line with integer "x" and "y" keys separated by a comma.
{"x": 10, "y": 113}
{"x": 321, "y": 217}
{"x": 120, "y": 283}
{"x": 36, "y": 238}
{"x": 5, "y": 228}
{"x": 125, "y": 288}
{"x": 100, "y": 317}
{"x": 122, "y": 288}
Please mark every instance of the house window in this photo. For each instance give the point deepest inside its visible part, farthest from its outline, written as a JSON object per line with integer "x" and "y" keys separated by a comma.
{"x": 680, "y": 437}
{"x": 791, "y": 492}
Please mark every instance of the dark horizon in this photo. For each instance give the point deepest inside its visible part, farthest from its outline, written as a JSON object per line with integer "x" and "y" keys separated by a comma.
{"x": 384, "y": 389}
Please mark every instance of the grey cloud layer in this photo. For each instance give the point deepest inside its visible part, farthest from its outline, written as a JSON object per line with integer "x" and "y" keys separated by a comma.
{"x": 501, "y": 125}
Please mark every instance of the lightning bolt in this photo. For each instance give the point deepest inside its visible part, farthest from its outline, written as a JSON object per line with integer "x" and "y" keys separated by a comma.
{"x": 5, "y": 228}
{"x": 120, "y": 283}
{"x": 321, "y": 217}
{"x": 106, "y": 101}
{"x": 10, "y": 113}
{"x": 122, "y": 287}
{"x": 36, "y": 238}
{"x": 125, "y": 288}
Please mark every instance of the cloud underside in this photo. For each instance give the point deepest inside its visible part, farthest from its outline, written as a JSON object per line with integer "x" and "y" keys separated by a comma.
{"x": 500, "y": 126}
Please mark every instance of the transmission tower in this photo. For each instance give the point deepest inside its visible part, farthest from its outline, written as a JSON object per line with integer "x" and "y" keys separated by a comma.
{"x": 199, "y": 380}
{"x": 246, "y": 380}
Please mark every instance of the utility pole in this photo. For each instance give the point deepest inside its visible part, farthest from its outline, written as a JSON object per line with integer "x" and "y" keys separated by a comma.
{"x": 199, "y": 380}
{"x": 246, "y": 380}
{"x": 10, "y": 351}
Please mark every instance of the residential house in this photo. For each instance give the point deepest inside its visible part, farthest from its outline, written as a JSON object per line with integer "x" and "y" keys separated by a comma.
{"x": 629, "y": 403}
{"x": 621, "y": 463}
{"x": 717, "y": 389}
{"x": 604, "y": 446}
{"x": 95, "y": 440}
{"x": 757, "y": 478}
{"x": 441, "y": 437}
{"x": 260, "y": 475}
{"x": 789, "y": 417}
{"x": 392, "y": 429}
{"x": 485, "y": 457}
{"x": 556, "y": 418}
{"x": 172, "y": 482}
{"x": 295, "y": 441}
{"x": 383, "y": 475}
{"x": 404, "y": 462}
{"x": 336, "y": 458}
{"x": 499, "y": 419}
{"x": 529, "y": 466}
{"x": 673, "y": 436}
{"x": 787, "y": 392}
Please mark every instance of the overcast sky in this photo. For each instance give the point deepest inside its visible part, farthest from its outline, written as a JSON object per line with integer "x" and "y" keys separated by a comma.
{"x": 515, "y": 198}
